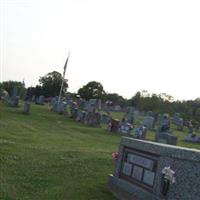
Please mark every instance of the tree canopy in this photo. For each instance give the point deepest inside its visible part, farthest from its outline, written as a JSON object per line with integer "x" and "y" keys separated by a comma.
{"x": 92, "y": 90}
{"x": 51, "y": 84}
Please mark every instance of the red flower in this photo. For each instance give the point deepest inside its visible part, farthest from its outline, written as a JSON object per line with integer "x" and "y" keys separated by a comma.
{"x": 115, "y": 155}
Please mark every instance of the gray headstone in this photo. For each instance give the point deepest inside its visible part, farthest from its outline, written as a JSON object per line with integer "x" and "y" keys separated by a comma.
{"x": 60, "y": 107}
{"x": 152, "y": 171}
{"x": 14, "y": 92}
{"x": 166, "y": 137}
{"x": 27, "y": 107}
{"x": 105, "y": 118}
{"x": 140, "y": 132}
{"x": 192, "y": 138}
{"x": 148, "y": 122}
{"x": 165, "y": 123}
{"x": 125, "y": 128}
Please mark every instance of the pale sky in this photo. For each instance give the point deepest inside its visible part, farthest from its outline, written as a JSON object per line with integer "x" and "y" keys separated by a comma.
{"x": 127, "y": 45}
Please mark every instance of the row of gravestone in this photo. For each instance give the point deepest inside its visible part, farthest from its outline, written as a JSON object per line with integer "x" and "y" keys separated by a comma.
{"x": 146, "y": 170}
{"x": 93, "y": 118}
{"x": 81, "y": 111}
{"x": 14, "y": 102}
{"x": 163, "y": 134}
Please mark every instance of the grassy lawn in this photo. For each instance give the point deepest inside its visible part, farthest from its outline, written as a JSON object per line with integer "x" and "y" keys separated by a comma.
{"x": 49, "y": 156}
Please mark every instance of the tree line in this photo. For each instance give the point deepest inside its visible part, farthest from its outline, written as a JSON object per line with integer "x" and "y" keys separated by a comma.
{"x": 49, "y": 86}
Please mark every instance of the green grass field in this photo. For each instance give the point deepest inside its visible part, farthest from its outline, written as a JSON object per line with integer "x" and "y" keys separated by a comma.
{"x": 49, "y": 156}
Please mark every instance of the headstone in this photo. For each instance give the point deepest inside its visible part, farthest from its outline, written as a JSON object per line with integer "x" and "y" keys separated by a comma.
{"x": 105, "y": 118}
{"x": 192, "y": 138}
{"x": 52, "y": 103}
{"x": 27, "y": 107}
{"x": 136, "y": 114}
{"x": 73, "y": 110}
{"x": 93, "y": 119}
{"x": 165, "y": 123}
{"x": 97, "y": 120}
{"x": 150, "y": 113}
{"x": 178, "y": 121}
{"x": 179, "y": 124}
{"x": 117, "y": 108}
{"x": 95, "y": 104}
{"x": 140, "y": 132}
{"x": 81, "y": 116}
{"x": 89, "y": 118}
{"x": 108, "y": 106}
{"x": 190, "y": 127}
{"x": 14, "y": 92}
{"x": 152, "y": 171}
{"x": 175, "y": 118}
{"x": 148, "y": 122}
{"x": 129, "y": 116}
{"x": 13, "y": 101}
{"x": 165, "y": 135}
{"x": 60, "y": 107}
{"x": 40, "y": 100}
{"x": 125, "y": 128}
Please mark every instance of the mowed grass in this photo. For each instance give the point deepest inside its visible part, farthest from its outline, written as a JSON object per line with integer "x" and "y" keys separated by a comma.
{"x": 49, "y": 156}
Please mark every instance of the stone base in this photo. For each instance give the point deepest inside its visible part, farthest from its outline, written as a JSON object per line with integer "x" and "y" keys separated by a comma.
{"x": 123, "y": 190}
{"x": 192, "y": 138}
{"x": 166, "y": 138}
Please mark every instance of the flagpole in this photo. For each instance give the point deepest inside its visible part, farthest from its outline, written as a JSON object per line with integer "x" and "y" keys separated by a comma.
{"x": 63, "y": 77}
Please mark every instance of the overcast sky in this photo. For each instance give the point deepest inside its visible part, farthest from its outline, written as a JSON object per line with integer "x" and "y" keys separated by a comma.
{"x": 127, "y": 45}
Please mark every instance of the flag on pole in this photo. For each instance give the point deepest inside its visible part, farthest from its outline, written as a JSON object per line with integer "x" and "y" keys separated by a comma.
{"x": 65, "y": 66}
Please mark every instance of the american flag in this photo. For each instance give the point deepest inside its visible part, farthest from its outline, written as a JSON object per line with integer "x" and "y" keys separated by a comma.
{"x": 65, "y": 66}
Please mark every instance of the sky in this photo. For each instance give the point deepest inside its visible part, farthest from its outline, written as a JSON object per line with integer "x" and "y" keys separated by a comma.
{"x": 127, "y": 45}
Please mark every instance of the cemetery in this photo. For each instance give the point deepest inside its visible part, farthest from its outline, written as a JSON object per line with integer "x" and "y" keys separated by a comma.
{"x": 64, "y": 151}
{"x": 83, "y": 145}
{"x": 99, "y": 100}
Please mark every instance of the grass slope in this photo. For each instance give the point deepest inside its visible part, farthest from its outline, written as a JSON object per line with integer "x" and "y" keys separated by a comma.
{"x": 49, "y": 156}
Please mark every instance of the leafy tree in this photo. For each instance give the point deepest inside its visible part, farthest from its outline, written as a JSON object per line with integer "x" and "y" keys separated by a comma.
{"x": 51, "y": 84}
{"x": 34, "y": 91}
{"x": 92, "y": 90}
{"x": 1, "y": 90}
{"x": 197, "y": 116}
{"x": 135, "y": 100}
{"x": 116, "y": 99}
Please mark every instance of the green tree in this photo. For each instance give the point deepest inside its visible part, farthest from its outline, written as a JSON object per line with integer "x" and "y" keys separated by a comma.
{"x": 135, "y": 100}
{"x": 51, "y": 84}
{"x": 92, "y": 90}
{"x": 116, "y": 99}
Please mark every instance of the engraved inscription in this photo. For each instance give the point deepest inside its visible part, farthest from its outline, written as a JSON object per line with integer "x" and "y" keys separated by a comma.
{"x": 127, "y": 168}
{"x": 139, "y": 160}
{"x": 148, "y": 177}
{"x": 137, "y": 173}
{"x": 139, "y": 168}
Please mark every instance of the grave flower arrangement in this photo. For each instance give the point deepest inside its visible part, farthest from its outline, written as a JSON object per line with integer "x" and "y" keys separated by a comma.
{"x": 115, "y": 156}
